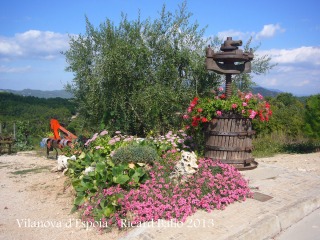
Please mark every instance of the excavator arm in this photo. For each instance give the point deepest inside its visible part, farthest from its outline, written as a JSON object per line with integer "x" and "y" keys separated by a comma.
{"x": 57, "y": 142}
{"x": 55, "y": 127}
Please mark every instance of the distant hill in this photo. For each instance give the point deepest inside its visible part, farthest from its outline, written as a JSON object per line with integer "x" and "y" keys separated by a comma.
{"x": 39, "y": 93}
{"x": 64, "y": 94}
{"x": 266, "y": 92}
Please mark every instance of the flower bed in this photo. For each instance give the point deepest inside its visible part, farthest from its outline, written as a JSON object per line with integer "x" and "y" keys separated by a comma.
{"x": 140, "y": 192}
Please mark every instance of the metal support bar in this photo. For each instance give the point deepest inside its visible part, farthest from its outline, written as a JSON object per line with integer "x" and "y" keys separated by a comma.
{"x": 217, "y": 133}
{"x": 243, "y": 161}
{"x": 228, "y": 85}
{"x": 231, "y": 149}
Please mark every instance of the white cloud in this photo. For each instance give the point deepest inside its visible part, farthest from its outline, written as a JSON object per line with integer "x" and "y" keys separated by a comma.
{"x": 34, "y": 44}
{"x": 269, "y": 82}
{"x": 291, "y": 78}
{"x": 310, "y": 55}
{"x": 5, "y": 69}
{"x": 299, "y": 82}
{"x": 297, "y": 70}
{"x": 302, "y": 83}
{"x": 9, "y": 47}
{"x": 269, "y": 31}
{"x": 236, "y": 35}
{"x": 281, "y": 68}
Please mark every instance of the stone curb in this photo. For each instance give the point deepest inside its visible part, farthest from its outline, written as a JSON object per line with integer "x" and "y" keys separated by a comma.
{"x": 272, "y": 224}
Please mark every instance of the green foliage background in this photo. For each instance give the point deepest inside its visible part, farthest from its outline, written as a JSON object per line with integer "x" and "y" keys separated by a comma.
{"x": 31, "y": 116}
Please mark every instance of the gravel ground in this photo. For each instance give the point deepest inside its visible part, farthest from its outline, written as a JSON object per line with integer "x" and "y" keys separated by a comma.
{"x": 308, "y": 163}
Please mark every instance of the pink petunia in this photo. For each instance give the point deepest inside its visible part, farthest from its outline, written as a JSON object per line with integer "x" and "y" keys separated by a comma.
{"x": 185, "y": 116}
{"x": 104, "y": 132}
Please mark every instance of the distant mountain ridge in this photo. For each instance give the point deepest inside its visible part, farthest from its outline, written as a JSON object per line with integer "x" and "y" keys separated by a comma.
{"x": 40, "y": 93}
{"x": 64, "y": 94}
{"x": 266, "y": 92}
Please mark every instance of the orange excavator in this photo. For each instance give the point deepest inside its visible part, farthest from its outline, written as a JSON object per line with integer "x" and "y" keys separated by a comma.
{"x": 57, "y": 142}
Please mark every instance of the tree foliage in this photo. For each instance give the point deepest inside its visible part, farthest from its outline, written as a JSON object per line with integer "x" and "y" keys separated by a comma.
{"x": 31, "y": 115}
{"x": 140, "y": 75}
{"x": 312, "y": 116}
{"x": 288, "y": 116}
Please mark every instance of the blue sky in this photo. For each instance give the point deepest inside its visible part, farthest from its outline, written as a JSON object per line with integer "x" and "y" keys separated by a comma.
{"x": 33, "y": 33}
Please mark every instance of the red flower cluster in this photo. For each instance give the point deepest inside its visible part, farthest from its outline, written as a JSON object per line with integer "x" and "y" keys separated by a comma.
{"x": 265, "y": 113}
{"x": 223, "y": 96}
{"x": 202, "y": 110}
{"x": 195, "y": 119}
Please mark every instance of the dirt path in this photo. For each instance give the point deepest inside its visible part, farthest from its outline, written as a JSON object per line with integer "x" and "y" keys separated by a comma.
{"x": 35, "y": 204}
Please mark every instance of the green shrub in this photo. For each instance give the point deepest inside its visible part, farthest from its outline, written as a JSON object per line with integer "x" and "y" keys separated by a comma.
{"x": 281, "y": 142}
{"x": 268, "y": 145}
{"x": 302, "y": 146}
{"x": 135, "y": 153}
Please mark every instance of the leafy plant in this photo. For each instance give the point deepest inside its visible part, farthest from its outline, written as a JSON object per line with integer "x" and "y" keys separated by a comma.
{"x": 105, "y": 174}
{"x": 202, "y": 110}
{"x": 135, "y": 153}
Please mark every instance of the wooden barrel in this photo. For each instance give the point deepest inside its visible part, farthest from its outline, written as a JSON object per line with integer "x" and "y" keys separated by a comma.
{"x": 229, "y": 139}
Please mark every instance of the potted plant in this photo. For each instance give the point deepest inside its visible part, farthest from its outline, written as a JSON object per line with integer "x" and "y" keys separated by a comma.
{"x": 227, "y": 124}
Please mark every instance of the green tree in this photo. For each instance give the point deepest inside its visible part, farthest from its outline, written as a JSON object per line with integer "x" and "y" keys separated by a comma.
{"x": 312, "y": 116}
{"x": 140, "y": 75}
{"x": 288, "y": 116}
{"x": 33, "y": 112}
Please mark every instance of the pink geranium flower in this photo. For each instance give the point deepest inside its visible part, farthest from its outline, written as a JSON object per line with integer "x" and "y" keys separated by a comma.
{"x": 252, "y": 114}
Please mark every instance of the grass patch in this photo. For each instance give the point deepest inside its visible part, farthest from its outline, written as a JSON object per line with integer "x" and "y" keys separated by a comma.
{"x": 275, "y": 143}
{"x": 31, "y": 170}
{"x": 302, "y": 147}
{"x": 268, "y": 145}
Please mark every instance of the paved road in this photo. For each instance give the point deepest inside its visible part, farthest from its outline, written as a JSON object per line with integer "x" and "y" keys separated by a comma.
{"x": 307, "y": 229}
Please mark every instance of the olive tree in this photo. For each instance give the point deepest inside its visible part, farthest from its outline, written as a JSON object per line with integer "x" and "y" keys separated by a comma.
{"x": 140, "y": 75}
